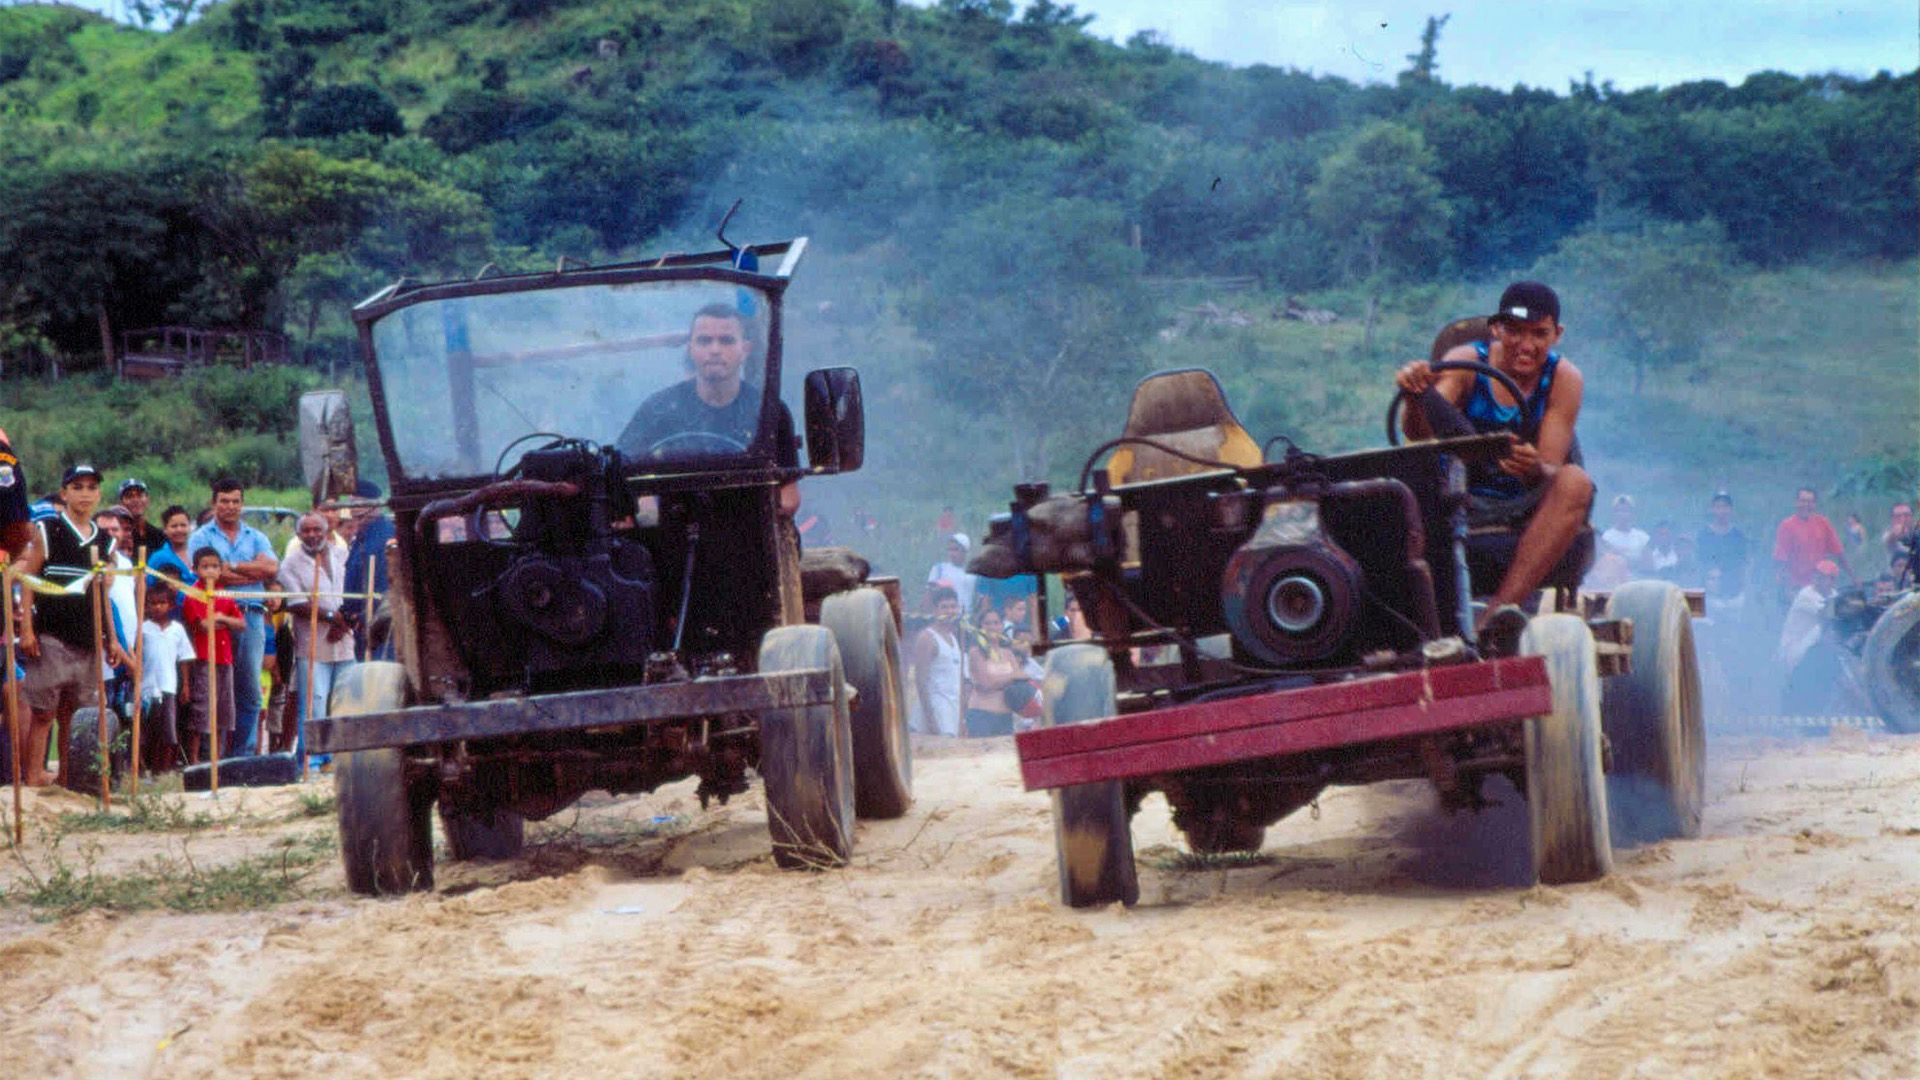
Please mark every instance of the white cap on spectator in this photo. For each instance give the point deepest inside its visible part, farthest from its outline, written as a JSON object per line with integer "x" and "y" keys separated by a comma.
{"x": 961, "y": 539}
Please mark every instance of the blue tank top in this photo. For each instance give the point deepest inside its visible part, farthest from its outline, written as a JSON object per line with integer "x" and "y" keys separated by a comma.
{"x": 1487, "y": 415}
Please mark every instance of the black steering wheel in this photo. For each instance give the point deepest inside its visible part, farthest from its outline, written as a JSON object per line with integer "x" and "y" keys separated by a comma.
{"x": 1399, "y": 398}
{"x": 726, "y": 443}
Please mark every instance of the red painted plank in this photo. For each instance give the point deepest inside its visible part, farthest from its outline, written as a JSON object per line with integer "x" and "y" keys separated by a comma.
{"x": 1213, "y": 717}
{"x": 1288, "y": 737}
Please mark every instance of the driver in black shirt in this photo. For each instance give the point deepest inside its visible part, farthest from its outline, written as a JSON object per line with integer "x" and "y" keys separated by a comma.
{"x": 716, "y": 411}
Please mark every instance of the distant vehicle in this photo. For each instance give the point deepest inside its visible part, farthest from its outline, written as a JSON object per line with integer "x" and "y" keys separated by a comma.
{"x": 262, "y": 517}
{"x": 1878, "y": 630}
{"x": 1266, "y": 629}
{"x": 571, "y": 614}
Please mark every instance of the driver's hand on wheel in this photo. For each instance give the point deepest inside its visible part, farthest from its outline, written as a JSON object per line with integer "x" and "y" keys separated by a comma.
{"x": 1415, "y": 378}
{"x": 1522, "y": 460}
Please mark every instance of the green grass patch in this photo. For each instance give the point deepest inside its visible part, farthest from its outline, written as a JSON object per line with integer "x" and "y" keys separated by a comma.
{"x": 144, "y": 813}
{"x": 60, "y": 888}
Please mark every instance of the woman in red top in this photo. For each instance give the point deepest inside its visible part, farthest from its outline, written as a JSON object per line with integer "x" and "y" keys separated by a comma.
{"x": 218, "y": 625}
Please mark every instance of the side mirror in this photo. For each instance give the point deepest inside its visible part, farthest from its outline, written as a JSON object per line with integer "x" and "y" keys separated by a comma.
{"x": 836, "y": 420}
{"x": 328, "y": 458}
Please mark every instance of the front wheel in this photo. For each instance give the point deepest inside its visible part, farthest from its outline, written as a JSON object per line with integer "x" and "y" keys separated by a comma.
{"x": 1892, "y": 653}
{"x": 1654, "y": 721}
{"x": 1092, "y": 830}
{"x": 1565, "y": 779}
{"x": 386, "y": 817}
{"x": 806, "y": 757}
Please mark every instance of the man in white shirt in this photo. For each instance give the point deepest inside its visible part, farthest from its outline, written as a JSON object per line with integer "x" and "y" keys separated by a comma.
{"x": 1623, "y": 538}
{"x": 952, "y": 573}
{"x": 323, "y": 642}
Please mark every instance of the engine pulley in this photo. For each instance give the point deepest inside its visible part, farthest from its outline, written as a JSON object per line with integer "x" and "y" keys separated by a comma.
{"x": 1290, "y": 594}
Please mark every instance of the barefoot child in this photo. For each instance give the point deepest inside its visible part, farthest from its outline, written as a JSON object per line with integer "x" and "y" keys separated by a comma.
{"x": 223, "y": 619}
{"x": 165, "y": 651}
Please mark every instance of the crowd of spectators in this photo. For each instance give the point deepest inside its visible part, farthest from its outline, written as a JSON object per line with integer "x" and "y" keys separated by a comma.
{"x": 240, "y": 663}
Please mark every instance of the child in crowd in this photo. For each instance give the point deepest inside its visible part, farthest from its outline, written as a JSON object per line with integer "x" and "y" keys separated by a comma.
{"x": 218, "y": 620}
{"x": 165, "y": 650}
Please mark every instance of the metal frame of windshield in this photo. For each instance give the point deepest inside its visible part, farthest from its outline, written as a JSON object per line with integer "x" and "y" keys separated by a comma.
{"x": 757, "y": 466}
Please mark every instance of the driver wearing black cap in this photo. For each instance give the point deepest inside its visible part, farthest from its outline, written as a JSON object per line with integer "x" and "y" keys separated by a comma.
{"x": 1540, "y": 481}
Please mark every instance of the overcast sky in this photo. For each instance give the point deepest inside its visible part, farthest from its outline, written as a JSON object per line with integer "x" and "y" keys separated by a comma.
{"x": 1545, "y": 44}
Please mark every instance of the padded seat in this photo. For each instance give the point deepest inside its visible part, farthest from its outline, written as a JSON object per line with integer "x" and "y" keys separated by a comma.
{"x": 1188, "y": 411}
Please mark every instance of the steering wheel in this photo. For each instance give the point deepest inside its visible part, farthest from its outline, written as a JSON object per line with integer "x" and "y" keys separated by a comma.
{"x": 726, "y": 443}
{"x": 1399, "y": 398}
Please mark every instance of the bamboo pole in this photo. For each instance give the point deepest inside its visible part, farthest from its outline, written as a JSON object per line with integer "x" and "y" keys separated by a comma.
{"x": 213, "y": 701}
{"x": 366, "y": 616}
{"x": 13, "y": 706}
{"x": 97, "y": 589}
{"x": 313, "y": 643}
{"x": 139, "y": 653}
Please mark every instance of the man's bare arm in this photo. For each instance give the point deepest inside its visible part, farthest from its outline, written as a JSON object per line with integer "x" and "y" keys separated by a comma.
{"x": 1538, "y": 463}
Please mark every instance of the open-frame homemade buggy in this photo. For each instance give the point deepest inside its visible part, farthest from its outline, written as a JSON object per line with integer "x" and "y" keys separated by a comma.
{"x": 1265, "y": 629}
{"x": 584, "y": 596}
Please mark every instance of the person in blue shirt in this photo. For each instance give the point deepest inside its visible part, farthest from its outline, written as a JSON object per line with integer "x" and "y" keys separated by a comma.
{"x": 369, "y": 553}
{"x": 249, "y": 563}
{"x": 1540, "y": 483}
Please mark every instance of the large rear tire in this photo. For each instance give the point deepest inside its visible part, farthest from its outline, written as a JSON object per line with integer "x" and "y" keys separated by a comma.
{"x": 83, "y": 753}
{"x": 806, "y": 757}
{"x": 1566, "y": 782}
{"x": 1092, "y": 830}
{"x": 1892, "y": 652}
{"x": 1654, "y": 722}
{"x": 862, "y": 625}
{"x": 386, "y": 818}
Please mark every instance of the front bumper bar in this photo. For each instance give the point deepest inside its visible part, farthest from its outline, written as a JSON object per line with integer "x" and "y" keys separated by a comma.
{"x": 572, "y": 711}
{"x": 1196, "y": 736}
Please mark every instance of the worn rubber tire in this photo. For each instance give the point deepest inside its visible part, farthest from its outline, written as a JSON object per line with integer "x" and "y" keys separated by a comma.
{"x": 862, "y": 625}
{"x": 1566, "y": 783}
{"x": 1892, "y": 652}
{"x": 806, "y": 757}
{"x": 386, "y": 823}
{"x": 82, "y": 752}
{"x": 496, "y": 834}
{"x": 1654, "y": 721}
{"x": 1092, "y": 830}
{"x": 1220, "y": 832}
{"x": 257, "y": 770}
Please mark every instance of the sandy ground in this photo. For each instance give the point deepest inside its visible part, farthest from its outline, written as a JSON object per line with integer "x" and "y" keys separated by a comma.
{"x": 644, "y": 937}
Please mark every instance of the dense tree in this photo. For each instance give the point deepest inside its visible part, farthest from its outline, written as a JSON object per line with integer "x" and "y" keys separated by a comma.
{"x": 1378, "y": 207}
{"x": 1658, "y": 292}
{"x": 1046, "y": 365}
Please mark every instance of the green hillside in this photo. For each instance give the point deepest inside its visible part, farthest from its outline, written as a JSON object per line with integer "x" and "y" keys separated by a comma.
{"x": 1012, "y": 220}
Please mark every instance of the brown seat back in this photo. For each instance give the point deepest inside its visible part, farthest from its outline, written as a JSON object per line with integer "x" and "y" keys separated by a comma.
{"x": 1185, "y": 410}
{"x": 1456, "y": 333}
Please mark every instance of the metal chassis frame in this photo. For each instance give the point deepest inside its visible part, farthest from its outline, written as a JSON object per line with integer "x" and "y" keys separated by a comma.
{"x": 1430, "y": 702}
{"x": 573, "y": 711}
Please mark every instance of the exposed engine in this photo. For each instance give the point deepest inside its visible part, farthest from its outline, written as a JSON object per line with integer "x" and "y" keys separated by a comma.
{"x": 573, "y": 596}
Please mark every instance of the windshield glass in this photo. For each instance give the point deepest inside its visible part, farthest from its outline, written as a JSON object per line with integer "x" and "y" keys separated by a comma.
{"x": 668, "y": 371}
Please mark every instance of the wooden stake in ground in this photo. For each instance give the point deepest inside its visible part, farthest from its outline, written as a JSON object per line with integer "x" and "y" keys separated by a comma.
{"x": 213, "y": 700}
{"x": 366, "y": 615}
{"x": 139, "y": 653}
{"x": 97, "y": 588}
{"x": 13, "y": 702}
{"x": 313, "y": 643}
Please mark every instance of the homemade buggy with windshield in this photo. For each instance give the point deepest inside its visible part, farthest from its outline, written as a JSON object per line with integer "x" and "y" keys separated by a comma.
{"x": 1318, "y": 611}
{"x": 568, "y": 617}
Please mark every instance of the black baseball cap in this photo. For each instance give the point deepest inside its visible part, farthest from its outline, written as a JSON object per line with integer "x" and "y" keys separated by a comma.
{"x": 1527, "y": 301}
{"x": 76, "y": 472}
{"x": 131, "y": 484}
{"x": 1721, "y": 497}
